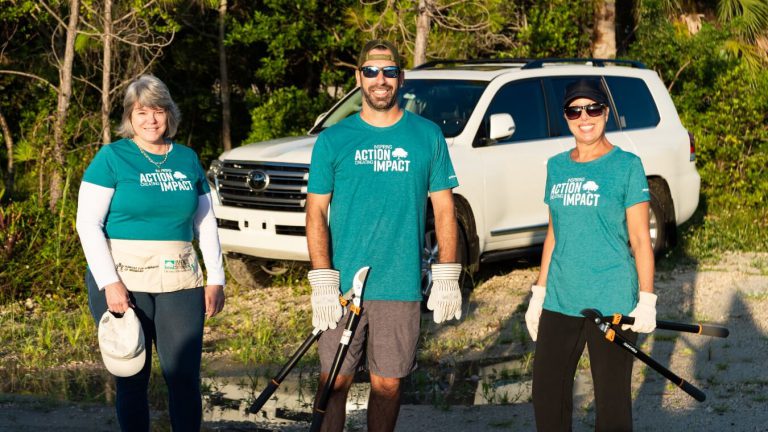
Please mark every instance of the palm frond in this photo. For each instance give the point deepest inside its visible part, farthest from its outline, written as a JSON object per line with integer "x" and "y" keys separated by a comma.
{"x": 750, "y": 17}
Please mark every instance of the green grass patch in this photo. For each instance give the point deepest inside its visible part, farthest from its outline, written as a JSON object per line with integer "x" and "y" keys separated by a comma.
{"x": 761, "y": 265}
{"x": 49, "y": 331}
{"x": 756, "y": 296}
{"x": 721, "y": 229}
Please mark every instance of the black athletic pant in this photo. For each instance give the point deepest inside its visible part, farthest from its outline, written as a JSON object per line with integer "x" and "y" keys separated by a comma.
{"x": 559, "y": 346}
{"x": 174, "y": 321}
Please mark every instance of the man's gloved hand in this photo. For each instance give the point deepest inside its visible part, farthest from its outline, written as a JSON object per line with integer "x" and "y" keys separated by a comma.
{"x": 535, "y": 306}
{"x": 445, "y": 297}
{"x": 644, "y": 314}
{"x": 326, "y": 309}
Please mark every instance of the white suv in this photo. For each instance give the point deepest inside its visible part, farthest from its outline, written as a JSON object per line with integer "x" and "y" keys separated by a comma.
{"x": 502, "y": 120}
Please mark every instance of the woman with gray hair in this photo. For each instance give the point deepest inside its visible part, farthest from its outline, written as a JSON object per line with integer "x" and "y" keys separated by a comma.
{"x": 142, "y": 202}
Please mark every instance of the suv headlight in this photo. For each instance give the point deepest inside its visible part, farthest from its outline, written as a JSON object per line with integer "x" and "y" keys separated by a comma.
{"x": 217, "y": 167}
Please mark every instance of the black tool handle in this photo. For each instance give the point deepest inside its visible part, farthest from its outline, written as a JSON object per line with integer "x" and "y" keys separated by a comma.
{"x": 322, "y": 403}
{"x": 703, "y": 329}
{"x": 263, "y": 397}
{"x": 275, "y": 382}
{"x": 317, "y": 420}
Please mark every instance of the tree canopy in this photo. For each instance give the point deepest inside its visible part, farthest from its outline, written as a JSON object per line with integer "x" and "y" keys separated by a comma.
{"x": 269, "y": 67}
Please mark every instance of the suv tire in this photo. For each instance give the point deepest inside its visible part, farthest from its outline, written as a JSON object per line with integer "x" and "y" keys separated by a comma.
{"x": 658, "y": 210}
{"x": 248, "y": 272}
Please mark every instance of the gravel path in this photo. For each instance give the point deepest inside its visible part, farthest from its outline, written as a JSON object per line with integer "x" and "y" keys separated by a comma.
{"x": 733, "y": 292}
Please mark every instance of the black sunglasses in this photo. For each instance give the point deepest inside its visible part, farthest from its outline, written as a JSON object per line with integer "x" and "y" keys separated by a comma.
{"x": 373, "y": 71}
{"x": 593, "y": 110}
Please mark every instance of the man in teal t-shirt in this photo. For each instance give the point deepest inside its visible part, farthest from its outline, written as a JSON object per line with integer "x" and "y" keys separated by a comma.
{"x": 370, "y": 177}
{"x": 379, "y": 179}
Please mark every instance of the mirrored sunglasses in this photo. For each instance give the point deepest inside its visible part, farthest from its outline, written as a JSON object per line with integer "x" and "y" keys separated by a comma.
{"x": 593, "y": 110}
{"x": 373, "y": 71}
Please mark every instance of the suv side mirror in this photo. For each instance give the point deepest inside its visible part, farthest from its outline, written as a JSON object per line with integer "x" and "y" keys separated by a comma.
{"x": 501, "y": 126}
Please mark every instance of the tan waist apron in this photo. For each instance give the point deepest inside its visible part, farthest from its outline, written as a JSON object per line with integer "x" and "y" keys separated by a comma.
{"x": 156, "y": 266}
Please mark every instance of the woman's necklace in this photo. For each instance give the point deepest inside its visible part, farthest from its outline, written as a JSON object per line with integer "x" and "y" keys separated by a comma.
{"x": 152, "y": 161}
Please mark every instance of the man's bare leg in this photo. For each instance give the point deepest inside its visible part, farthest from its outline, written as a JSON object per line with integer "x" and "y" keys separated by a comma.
{"x": 336, "y": 411}
{"x": 383, "y": 404}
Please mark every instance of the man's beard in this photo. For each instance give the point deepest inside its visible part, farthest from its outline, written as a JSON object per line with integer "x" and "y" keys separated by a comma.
{"x": 380, "y": 104}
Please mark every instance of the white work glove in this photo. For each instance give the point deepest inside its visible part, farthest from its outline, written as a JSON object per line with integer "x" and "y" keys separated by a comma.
{"x": 535, "y": 306}
{"x": 445, "y": 297}
{"x": 326, "y": 308}
{"x": 644, "y": 314}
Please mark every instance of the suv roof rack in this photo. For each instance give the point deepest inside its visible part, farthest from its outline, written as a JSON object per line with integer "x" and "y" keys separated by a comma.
{"x": 435, "y": 63}
{"x": 538, "y": 63}
{"x": 528, "y": 63}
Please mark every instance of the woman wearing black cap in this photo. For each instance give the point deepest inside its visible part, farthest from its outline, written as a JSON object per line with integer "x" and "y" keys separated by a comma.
{"x": 598, "y": 203}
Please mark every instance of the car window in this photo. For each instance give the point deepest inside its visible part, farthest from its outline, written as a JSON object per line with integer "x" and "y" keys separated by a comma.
{"x": 558, "y": 85}
{"x": 634, "y": 103}
{"x": 449, "y": 103}
{"x": 352, "y": 103}
{"x": 524, "y": 101}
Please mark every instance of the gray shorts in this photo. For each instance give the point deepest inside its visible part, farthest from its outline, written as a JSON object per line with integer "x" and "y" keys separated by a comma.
{"x": 387, "y": 334}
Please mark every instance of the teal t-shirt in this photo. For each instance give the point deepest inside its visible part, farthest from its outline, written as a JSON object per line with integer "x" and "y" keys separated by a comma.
{"x": 380, "y": 179}
{"x": 149, "y": 203}
{"x": 592, "y": 266}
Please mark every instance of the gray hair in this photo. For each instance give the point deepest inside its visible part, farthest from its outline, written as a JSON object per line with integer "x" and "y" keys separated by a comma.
{"x": 149, "y": 91}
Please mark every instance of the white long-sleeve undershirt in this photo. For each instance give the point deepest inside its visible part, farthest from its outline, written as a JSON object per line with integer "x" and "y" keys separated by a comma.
{"x": 92, "y": 208}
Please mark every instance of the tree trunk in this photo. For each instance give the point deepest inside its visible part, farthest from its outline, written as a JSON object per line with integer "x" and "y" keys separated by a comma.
{"x": 62, "y": 107}
{"x": 226, "y": 135}
{"x": 605, "y": 30}
{"x": 9, "y": 148}
{"x": 422, "y": 34}
{"x": 106, "y": 73}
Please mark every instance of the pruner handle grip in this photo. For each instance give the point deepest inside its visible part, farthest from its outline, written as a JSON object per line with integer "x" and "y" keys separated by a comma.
{"x": 702, "y": 329}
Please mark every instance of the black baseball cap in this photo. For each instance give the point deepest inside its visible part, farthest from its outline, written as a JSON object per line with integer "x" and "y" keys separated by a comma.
{"x": 585, "y": 88}
{"x": 365, "y": 54}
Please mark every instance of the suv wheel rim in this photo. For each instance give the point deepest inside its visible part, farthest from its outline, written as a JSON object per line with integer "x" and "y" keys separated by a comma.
{"x": 653, "y": 225}
{"x": 429, "y": 256}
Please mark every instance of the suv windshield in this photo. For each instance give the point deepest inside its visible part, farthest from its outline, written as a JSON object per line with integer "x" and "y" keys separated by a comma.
{"x": 449, "y": 103}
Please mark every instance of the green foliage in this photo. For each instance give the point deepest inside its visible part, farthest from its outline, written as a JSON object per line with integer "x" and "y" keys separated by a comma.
{"x": 733, "y": 155}
{"x": 12, "y": 10}
{"x": 287, "y": 111}
{"x": 40, "y": 250}
{"x": 556, "y": 29}
{"x": 298, "y": 42}
{"x": 458, "y": 29}
{"x": 751, "y": 16}
{"x": 723, "y": 101}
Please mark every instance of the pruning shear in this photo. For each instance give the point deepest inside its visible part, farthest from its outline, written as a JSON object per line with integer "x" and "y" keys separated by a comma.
{"x": 353, "y": 295}
{"x": 605, "y": 323}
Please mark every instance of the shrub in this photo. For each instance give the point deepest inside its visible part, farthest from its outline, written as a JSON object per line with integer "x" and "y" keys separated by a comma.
{"x": 723, "y": 103}
{"x": 287, "y": 111}
{"x": 40, "y": 251}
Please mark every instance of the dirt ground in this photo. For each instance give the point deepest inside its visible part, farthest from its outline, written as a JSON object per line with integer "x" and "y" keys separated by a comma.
{"x": 731, "y": 291}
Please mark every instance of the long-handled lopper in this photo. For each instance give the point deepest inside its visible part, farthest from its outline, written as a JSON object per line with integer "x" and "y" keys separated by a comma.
{"x": 358, "y": 284}
{"x": 275, "y": 382}
{"x": 604, "y": 323}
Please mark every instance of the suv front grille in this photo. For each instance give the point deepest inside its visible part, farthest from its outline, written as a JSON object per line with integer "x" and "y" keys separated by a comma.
{"x": 263, "y": 185}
